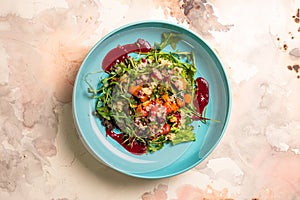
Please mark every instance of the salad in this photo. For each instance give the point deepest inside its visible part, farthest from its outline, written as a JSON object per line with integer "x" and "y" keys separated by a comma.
{"x": 148, "y": 97}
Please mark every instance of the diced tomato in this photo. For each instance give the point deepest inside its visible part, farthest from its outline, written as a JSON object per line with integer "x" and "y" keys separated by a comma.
{"x": 144, "y": 113}
{"x": 166, "y": 129}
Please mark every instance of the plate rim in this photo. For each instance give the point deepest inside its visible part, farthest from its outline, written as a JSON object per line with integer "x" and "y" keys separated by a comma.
{"x": 227, "y": 87}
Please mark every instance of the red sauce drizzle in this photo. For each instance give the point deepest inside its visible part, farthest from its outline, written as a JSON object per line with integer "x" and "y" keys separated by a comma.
{"x": 135, "y": 147}
{"x": 201, "y": 96}
{"x": 120, "y": 53}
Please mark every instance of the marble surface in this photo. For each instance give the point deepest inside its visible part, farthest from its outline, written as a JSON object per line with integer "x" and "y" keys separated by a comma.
{"x": 42, "y": 44}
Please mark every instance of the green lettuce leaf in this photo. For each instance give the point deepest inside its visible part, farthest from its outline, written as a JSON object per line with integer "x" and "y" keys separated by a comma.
{"x": 168, "y": 38}
{"x": 184, "y": 136}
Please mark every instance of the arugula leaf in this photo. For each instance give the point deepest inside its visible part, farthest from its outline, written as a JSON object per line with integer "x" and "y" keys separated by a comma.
{"x": 185, "y": 135}
{"x": 156, "y": 144}
{"x": 168, "y": 38}
{"x": 104, "y": 112}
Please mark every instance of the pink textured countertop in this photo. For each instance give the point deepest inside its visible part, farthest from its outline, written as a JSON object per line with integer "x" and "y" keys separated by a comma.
{"x": 42, "y": 44}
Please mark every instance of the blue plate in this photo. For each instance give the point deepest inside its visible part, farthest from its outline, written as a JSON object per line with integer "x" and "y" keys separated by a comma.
{"x": 171, "y": 160}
